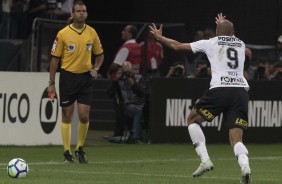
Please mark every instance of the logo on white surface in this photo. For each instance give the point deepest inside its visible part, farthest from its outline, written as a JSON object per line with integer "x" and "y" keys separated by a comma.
{"x": 48, "y": 109}
{"x": 14, "y": 107}
{"x": 48, "y": 112}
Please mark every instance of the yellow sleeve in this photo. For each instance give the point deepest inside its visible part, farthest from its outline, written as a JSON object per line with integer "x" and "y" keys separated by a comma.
{"x": 58, "y": 45}
{"x": 97, "y": 46}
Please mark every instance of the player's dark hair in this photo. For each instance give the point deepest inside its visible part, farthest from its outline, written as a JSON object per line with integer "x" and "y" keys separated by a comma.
{"x": 78, "y": 2}
{"x": 133, "y": 30}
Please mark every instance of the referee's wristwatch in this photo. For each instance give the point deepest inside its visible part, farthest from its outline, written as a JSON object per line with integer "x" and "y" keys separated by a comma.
{"x": 51, "y": 83}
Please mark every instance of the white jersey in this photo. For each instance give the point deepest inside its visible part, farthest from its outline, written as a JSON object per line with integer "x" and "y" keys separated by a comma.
{"x": 226, "y": 56}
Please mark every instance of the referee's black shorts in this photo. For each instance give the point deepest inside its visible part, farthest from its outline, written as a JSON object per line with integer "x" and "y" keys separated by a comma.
{"x": 75, "y": 87}
{"x": 231, "y": 101}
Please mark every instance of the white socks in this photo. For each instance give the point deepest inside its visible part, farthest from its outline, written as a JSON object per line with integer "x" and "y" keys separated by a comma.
{"x": 199, "y": 141}
{"x": 241, "y": 153}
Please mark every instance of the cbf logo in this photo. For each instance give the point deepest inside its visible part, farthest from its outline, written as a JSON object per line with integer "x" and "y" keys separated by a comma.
{"x": 48, "y": 112}
{"x": 89, "y": 47}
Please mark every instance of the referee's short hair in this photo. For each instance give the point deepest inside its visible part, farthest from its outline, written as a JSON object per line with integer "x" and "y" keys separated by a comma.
{"x": 77, "y": 2}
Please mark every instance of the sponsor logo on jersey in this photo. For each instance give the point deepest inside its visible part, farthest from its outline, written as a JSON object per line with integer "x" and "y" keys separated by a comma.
{"x": 230, "y": 44}
{"x": 226, "y": 80}
{"x": 71, "y": 48}
{"x": 208, "y": 115}
{"x": 54, "y": 45}
{"x": 241, "y": 122}
{"x": 229, "y": 41}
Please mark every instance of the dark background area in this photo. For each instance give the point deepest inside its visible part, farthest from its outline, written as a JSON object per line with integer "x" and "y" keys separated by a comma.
{"x": 256, "y": 21}
{"x": 259, "y": 131}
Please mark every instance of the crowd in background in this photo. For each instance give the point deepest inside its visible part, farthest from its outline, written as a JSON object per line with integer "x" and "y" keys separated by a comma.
{"x": 17, "y": 16}
{"x": 266, "y": 69}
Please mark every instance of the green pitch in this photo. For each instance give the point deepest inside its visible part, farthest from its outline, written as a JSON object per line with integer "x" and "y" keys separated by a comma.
{"x": 141, "y": 164}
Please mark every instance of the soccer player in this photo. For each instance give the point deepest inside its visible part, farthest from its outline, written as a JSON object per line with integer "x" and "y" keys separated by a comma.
{"x": 227, "y": 94}
{"x": 74, "y": 46}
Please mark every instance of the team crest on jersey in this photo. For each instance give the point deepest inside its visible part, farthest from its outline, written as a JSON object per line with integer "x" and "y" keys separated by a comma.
{"x": 71, "y": 48}
{"x": 88, "y": 46}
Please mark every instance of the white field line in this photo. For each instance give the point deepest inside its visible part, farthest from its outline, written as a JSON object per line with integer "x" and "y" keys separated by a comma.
{"x": 143, "y": 174}
{"x": 147, "y": 161}
{"x": 150, "y": 175}
{"x": 147, "y": 175}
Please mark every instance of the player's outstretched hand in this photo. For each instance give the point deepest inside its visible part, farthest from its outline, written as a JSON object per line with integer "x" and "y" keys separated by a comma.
{"x": 155, "y": 31}
{"x": 219, "y": 18}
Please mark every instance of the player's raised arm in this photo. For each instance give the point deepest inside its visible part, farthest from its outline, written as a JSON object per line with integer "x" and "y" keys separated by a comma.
{"x": 219, "y": 18}
{"x": 173, "y": 44}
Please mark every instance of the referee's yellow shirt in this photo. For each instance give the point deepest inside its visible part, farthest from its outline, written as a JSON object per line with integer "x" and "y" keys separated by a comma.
{"x": 75, "y": 47}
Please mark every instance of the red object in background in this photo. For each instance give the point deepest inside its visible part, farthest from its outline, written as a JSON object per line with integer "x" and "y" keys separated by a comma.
{"x": 52, "y": 96}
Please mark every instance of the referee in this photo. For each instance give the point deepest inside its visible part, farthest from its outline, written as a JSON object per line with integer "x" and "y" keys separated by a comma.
{"x": 73, "y": 46}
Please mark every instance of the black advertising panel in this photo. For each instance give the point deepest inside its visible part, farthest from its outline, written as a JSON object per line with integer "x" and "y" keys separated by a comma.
{"x": 173, "y": 98}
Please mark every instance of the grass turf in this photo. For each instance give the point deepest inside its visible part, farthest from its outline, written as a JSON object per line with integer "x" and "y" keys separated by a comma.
{"x": 140, "y": 164}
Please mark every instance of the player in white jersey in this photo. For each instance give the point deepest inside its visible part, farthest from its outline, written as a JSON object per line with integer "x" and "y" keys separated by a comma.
{"x": 226, "y": 55}
{"x": 227, "y": 93}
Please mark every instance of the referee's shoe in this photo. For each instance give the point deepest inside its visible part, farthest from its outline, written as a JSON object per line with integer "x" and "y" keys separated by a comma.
{"x": 80, "y": 155}
{"x": 68, "y": 157}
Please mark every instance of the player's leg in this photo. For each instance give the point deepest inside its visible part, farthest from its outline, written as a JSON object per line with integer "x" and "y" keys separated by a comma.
{"x": 206, "y": 109}
{"x": 67, "y": 113}
{"x": 199, "y": 141}
{"x": 84, "y": 100}
{"x": 237, "y": 120}
{"x": 83, "y": 125}
{"x": 241, "y": 152}
{"x": 68, "y": 87}
{"x": 83, "y": 114}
